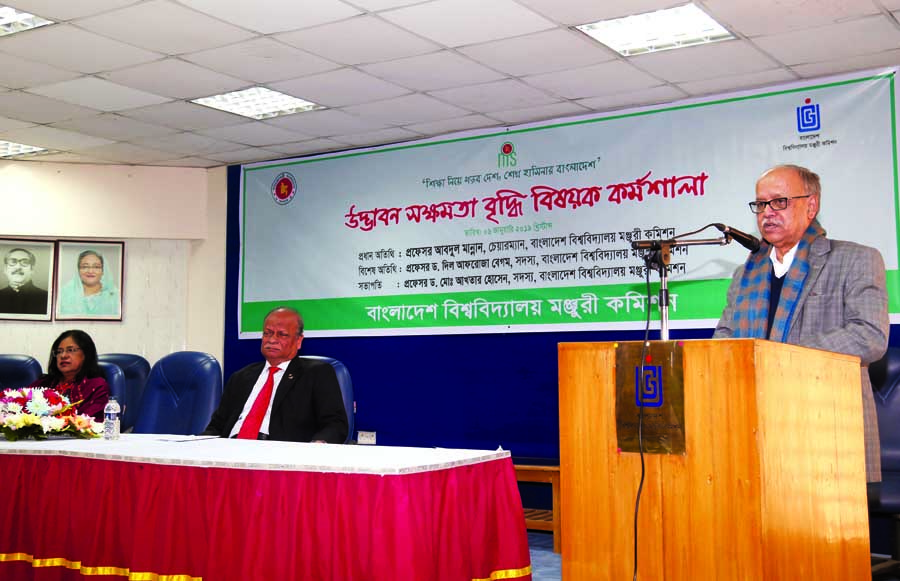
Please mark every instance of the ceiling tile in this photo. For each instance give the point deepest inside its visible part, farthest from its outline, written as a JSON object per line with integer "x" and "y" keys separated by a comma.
{"x": 52, "y": 138}
{"x": 7, "y": 124}
{"x": 541, "y": 52}
{"x": 127, "y": 153}
{"x": 652, "y": 96}
{"x": 193, "y": 81}
{"x": 18, "y": 73}
{"x": 71, "y": 158}
{"x": 70, "y": 48}
{"x": 338, "y": 88}
{"x": 584, "y": 11}
{"x": 58, "y": 11}
{"x": 112, "y": 126}
{"x": 99, "y": 94}
{"x": 408, "y": 109}
{"x": 187, "y": 143}
{"x": 244, "y": 155}
{"x": 384, "y": 136}
{"x": 374, "y": 40}
{"x": 530, "y": 114}
{"x": 38, "y": 109}
{"x": 271, "y": 16}
{"x": 254, "y": 133}
{"x": 325, "y": 122}
{"x": 187, "y": 162}
{"x": 433, "y": 71}
{"x": 452, "y": 125}
{"x": 164, "y": 27}
{"x": 376, "y": 5}
{"x": 184, "y": 116}
{"x": 858, "y": 63}
{"x": 749, "y": 19}
{"x": 461, "y": 22}
{"x": 603, "y": 79}
{"x": 730, "y": 83}
{"x": 495, "y": 96}
{"x": 704, "y": 61}
{"x": 262, "y": 60}
{"x": 864, "y": 36}
{"x": 313, "y": 145}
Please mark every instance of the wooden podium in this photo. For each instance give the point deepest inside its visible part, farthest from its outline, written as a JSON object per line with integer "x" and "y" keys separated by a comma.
{"x": 771, "y": 485}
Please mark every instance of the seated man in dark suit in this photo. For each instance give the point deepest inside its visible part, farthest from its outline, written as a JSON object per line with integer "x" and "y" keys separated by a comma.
{"x": 285, "y": 398}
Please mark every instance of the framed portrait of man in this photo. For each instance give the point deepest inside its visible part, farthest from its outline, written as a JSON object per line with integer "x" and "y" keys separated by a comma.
{"x": 89, "y": 280}
{"x": 27, "y": 282}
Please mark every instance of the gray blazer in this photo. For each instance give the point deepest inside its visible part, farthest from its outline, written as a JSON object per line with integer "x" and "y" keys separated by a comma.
{"x": 842, "y": 308}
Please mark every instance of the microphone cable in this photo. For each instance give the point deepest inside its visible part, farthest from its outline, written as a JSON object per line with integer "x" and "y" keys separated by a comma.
{"x": 639, "y": 387}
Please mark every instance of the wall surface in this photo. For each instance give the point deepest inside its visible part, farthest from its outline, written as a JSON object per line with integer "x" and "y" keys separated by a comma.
{"x": 172, "y": 221}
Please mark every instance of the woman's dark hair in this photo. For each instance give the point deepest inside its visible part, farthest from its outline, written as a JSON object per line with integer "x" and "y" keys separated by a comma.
{"x": 90, "y": 368}
{"x": 88, "y": 253}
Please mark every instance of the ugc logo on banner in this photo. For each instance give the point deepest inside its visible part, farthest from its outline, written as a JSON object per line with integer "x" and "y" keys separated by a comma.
{"x": 808, "y": 118}
{"x": 648, "y": 390}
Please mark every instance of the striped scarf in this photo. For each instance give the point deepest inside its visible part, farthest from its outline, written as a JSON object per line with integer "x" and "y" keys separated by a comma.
{"x": 752, "y": 303}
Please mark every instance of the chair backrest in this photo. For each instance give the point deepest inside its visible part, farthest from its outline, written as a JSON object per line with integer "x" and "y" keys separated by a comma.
{"x": 135, "y": 370}
{"x": 346, "y": 385}
{"x": 18, "y": 371}
{"x": 885, "y": 376}
{"x": 115, "y": 379}
{"x": 182, "y": 392}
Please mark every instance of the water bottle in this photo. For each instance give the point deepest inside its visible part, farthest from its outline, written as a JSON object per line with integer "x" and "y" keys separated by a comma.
{"x": 111, "y": 420}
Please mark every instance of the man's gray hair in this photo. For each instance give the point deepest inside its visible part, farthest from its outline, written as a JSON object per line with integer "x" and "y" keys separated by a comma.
{"x": 28, "y": 252}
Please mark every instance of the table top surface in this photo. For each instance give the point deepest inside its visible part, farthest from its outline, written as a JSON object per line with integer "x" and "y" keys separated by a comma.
{"x": 213, "y": 452}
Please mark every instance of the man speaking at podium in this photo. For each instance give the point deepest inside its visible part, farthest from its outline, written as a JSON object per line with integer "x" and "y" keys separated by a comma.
{"x": 802, "y": 288}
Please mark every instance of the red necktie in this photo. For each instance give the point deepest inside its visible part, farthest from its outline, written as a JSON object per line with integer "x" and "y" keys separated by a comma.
{"x": 250, "y": 428}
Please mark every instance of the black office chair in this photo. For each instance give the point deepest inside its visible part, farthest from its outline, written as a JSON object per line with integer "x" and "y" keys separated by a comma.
{"x": 135, "y": 370}
{"x": 884, "y": 497}
{"x": 346, "y": 385}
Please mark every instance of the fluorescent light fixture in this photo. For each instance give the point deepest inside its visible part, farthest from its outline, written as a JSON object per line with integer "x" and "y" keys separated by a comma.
{"x": 257, "y": 103}
{"x": 13, "y": 21}
{"x": 9, "y": 149}
{"x": 677, "y": 27}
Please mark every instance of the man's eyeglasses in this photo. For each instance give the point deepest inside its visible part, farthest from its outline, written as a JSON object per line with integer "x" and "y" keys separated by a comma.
{"x": 776, "y": 204}
{"x": 69, "y": 350}
{"x": 19, "y": 261}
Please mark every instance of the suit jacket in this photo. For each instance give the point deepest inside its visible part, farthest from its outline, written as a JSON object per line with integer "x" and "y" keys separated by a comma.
{"x": 842, "y": 308}
{"x": 28, "y": 300}
{"x": 307, "y": 406}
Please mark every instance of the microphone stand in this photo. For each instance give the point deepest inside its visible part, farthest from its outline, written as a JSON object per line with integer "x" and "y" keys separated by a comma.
{"x": 657, "y": 257}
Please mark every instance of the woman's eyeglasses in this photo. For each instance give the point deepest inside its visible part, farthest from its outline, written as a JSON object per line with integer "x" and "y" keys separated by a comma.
{"x": 69, "y": 350}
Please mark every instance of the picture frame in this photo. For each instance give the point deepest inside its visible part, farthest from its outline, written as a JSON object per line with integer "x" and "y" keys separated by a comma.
{"x": 26, "y": 287}
{"x": 89, "y": 280}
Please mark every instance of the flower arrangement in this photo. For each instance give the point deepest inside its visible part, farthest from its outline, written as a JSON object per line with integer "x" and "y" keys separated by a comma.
{"x": 38, "y": 412}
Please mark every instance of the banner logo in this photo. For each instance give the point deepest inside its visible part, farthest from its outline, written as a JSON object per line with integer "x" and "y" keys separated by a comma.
{"x": 284, "y": 188}
{"x": 648, "y": 390}
{"x": 507, "y": 155}
{"x": 808, "y": 118}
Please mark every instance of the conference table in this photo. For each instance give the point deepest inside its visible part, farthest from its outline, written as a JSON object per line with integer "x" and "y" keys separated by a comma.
{"x": 182, "y": 508}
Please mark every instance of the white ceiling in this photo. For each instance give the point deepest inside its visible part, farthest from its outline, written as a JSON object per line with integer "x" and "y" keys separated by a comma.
{"x": 111, "y": 82}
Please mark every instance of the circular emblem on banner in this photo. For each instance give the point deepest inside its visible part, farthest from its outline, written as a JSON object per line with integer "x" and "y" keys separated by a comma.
{"x": 284, "y": 188}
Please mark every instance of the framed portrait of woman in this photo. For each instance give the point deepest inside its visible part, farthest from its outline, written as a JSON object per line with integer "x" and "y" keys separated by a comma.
{"x": 26, "y": 287}
{"x": 89, "y": 280}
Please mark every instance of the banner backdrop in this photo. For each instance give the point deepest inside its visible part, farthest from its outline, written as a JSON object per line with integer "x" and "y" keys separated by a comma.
{"x": 530, "y": 228}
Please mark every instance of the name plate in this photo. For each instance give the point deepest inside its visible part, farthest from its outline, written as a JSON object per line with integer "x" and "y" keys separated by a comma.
{"x": 657, "y": 390}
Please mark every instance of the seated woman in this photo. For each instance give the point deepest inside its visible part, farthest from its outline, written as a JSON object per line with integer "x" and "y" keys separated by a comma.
{"x": 92, "y": 292}
{"x": 73, "y": 371}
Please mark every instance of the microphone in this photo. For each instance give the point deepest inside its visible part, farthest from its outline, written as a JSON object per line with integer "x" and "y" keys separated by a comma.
{"x": 748, "y": 241}
{"x": 649, "y": 244}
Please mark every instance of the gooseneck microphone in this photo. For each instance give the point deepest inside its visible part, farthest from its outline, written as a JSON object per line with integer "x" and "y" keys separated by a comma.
{"x": 748, "y": 241}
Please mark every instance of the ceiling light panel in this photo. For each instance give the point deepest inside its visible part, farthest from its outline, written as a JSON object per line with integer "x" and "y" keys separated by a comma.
{"x": 677, "y": 27}
{"x": 10, "y": 149}
{"x": 13, "y": 21}
{"x": 257, "y": 103}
